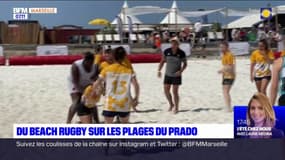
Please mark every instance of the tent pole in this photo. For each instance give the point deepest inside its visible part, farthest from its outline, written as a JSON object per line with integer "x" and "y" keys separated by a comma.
{"x": 268, "y": 21}
{"x": 227, "y": 30}
{"x": 176, "y": 27}
{"x": 168, "y": 21}
{"x": 268, "y": 25}
{"x": 124, "y": 22}
{"x": 276, "y": 19}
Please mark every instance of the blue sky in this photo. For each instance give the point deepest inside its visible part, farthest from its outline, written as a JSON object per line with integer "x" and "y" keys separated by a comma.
{"x": 80, "y": 12}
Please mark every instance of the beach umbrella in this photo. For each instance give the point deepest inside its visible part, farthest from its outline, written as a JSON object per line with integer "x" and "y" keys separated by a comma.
{"x": 99, "y": 21}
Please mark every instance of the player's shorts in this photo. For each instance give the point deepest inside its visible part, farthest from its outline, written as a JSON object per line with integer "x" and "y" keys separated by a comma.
{"x": 228, "y": 81}
{"x": 172, "y": 80}
{"x": 82, "y": 110}
{"x": 113, "y": 114}
{"x": 261, "y": 78}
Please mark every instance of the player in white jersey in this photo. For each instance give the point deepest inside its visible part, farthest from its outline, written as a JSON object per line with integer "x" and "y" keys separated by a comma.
{"x": 83, "y": 73}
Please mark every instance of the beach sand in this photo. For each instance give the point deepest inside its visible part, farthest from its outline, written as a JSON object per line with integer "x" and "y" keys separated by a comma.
{"x": 39, "y": 94}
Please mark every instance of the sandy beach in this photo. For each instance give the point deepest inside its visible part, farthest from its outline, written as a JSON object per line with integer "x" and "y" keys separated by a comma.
{"x": 39, "y": 94}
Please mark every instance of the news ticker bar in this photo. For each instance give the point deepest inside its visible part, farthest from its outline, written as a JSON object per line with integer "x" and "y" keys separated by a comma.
{"x": 123, "y": 131}
{"x": 138, "y": 149}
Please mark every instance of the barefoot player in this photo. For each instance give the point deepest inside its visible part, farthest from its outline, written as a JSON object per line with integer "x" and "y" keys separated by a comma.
{"x": 228, "y": 72}
{"x": 176, "y": 63}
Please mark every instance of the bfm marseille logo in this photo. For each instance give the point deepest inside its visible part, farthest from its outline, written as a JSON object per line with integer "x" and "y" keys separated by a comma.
{"x": 265, "y": 13}
{"x": 20, "y": 13}
{"x": 24, "y": 13}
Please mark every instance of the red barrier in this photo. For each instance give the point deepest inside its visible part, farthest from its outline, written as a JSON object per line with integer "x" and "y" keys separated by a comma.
{"x": 69, "y": 59}
{"x": 2, "y": 60}
{"x": 144, "y": 58}
{"x": 43, "y": 60}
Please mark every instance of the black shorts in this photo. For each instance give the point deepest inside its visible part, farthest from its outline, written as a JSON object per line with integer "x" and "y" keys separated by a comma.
{"x": 281, "y": 100}
{"x": 82, "y": 110}
{"x": 172, "y": 80}
{"x": 228, "y": 81}
{"x": 261, "y": 78}
{"x": 113, "y": 114}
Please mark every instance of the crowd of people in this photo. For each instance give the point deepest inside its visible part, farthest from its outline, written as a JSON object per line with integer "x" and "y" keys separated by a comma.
{"x": 254, "y": 34}
{"x": 197, "y": 36}
{"x": 192, "y": 35}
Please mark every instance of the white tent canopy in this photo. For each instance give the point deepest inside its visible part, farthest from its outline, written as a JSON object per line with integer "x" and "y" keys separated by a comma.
{"x": 244, "y": 22}
{"x": 142, "y": 10}
{"x": 199, "y": 13}
{"x": 137, "y": 25}
{"x": 249, "y": 20}
{"x": 279, "y": 9}
{"x": 124, "y": 16}
{"x": 125, "y": 19}
{"x": 237, "y": 13}
{"x": 174, "y": 16}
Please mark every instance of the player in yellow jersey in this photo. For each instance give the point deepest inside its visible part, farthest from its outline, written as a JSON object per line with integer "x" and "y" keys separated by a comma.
{"x": 260, "y": 72}
{"x": 88, "y": 100}
{"x": 109, "y": 59}
{"x": 118, "y": 79}
{"x": 228, "y": 72}
{"x": 88, "y": 106}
